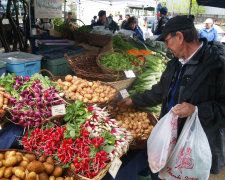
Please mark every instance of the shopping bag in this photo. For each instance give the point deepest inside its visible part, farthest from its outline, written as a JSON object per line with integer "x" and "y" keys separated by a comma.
{"x": 162, "y": 141}
{"x": 191, "y": 157}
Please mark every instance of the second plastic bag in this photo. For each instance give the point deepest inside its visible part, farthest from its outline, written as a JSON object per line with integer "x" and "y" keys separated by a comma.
{"x": 191, "y": 157}
{"x": 162, "y": 141}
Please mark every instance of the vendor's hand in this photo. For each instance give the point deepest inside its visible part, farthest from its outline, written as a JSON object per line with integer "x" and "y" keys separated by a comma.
{"x": 184, "y": 110}
{"x": 125, "y": 103}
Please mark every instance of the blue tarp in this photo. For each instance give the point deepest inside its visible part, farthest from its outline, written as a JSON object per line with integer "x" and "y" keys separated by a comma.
{"x": 213, "y": 3}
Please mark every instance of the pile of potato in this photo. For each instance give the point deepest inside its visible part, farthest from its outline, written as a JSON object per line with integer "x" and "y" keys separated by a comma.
{"x": 137, "y": 123}
{"x": 86, "y": 91}
{"x": 17, "y": 166}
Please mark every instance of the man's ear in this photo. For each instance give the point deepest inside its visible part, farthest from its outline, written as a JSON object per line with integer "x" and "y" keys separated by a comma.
{"x": 180, "y": 37}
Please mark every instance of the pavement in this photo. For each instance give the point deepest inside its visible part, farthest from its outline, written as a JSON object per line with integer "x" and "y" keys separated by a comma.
{"x": 220, "y": 176}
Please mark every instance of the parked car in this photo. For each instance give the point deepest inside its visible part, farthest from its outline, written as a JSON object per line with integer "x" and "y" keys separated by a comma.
{"x": 219, "y": 30}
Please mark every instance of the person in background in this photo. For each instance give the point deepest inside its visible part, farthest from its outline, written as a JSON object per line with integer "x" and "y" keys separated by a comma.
{"x": 155, "y": 23}
{"x": 70, "y": 18}
{"x": 93, "y": 21}
{"x": 163, "y": 19}
{"x": 209, "y": 32}
{"x": 125, "y": 21}
{"x": 132, "y": 25}
{"x": 110, "y": 16}
{"x": 107, "y": 22}
{"x": 195, "y": 77}
{"x": 120, "y": 21}
{"x": 44, "y": 26}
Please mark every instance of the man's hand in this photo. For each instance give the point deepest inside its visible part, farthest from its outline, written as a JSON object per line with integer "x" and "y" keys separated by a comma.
{"x": 184, "y": 110}
{"x": 125, "y": 103}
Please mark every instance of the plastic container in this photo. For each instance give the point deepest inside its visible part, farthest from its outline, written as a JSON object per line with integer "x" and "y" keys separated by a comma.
{"x": 49, "y": 44}
{"x": 2, "y": 67}
{"x": 55, "y": 61}
{"x": 35, "y": 39}
{"x": 21, "y": 63}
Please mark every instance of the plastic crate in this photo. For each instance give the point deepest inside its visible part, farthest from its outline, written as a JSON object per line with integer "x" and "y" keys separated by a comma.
{"x": 55, "y": 61}
{"x": 21, "y": 63}
{"x": 2, "y": 67}
{"x": 35, "y": 39}
{"x": 54, "y": 43}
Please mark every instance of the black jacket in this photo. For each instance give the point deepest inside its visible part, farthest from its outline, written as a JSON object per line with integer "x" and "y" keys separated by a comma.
{"x": 112, "y": 25}
{"x": 205, "y": 89}
{"x": 161, "y": 24}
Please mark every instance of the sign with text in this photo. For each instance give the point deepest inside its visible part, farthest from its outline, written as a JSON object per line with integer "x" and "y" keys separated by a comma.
{"x": 48, "y": 8}
{"x": 58, "y": 110}
{"x": 114, "y": 168}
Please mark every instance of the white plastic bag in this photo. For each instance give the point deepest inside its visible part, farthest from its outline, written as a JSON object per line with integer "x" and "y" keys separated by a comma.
{"x": 191, "y": 157}
{"x": 162, "y": 141}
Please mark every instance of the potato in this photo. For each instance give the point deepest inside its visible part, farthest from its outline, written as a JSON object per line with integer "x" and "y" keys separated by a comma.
{"x": 8, "y": 172}
{"x": 4, "y": 179}
{"x": 48, "y": 167}
{"x": 50, "y": 160}
{"x": 31, "y": 176}
{"x": 19, "y": 153}
{"x": 2, "y": 170}
{"x": 69, "y": 178}
{"x": 15, "y": 178}
{"x": 11, "y": 161}
{"x": 17, "y": 167}
{"x": 9, "y": 154}
{"x": 59, "y": 178}
{"x": 35, "y": 166}
{"x": 51, "y": 178}
{"x": 31, "y": 157}
{"x": 24, "y": 164}
{"x": 1, "y": 163}
{"x": 43, "y": 176}
{"x": 1, "y": 156}
{"x": 57, "y": 171}
{"x": 19, "y": 158}
{"x": 26, "y": 159}
{"x": 42, "y": 159}
{"x": 19, "y": 173}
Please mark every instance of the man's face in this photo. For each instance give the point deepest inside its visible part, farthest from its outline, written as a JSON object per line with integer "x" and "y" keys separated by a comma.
{"x": 127, "y": 17}
{"x": 103, "y": 18}
{"x": 132, "y": 25}
{"x": 175, "y": 45}
{"x": 69, "y": 16}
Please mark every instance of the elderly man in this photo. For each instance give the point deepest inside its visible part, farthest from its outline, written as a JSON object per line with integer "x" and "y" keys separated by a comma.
{"x": 195, "y": 77}
{"x": 107, "y": 22}
{"x": 209, "y": 32}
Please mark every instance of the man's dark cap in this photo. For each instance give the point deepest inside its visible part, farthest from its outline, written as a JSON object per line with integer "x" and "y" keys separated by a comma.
{"x": 163, "y": 10}
{"x": 101, "y": 13}
{"x": 177, "y": 23}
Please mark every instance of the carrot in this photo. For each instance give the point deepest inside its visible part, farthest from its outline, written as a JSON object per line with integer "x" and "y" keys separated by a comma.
{"x": 1, "y": 100}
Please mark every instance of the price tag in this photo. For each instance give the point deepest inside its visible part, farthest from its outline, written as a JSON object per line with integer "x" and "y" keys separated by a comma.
{"x": 124, "y": 93}
{"x": 114, "y": 168}
{"x": 129, "y": 74}
{"x": 58, "y": 110}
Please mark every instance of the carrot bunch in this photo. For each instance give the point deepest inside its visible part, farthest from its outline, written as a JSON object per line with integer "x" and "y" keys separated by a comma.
{"x": 142, "y": 52}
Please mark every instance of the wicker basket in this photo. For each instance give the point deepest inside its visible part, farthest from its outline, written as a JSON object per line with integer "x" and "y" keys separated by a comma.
{"x": 81, "y": 37}
{"x": 69, "y": 172}
{"x": 52, "y": 77}
{"x": 99, "y": 40}
{"x": 142, "y": 144}
{"x": 85, "y": 67}
{"x": 119, "y": 72}
{"x": 122, "y": 84}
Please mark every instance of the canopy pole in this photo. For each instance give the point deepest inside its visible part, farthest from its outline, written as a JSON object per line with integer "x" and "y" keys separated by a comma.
{"x": 65, "y": 10}
{"x": 190, "y": 7}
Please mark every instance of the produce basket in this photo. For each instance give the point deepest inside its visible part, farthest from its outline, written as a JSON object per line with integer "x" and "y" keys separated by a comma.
{"x": 122, "y": 84}
{"x": 138, "y": 142}
{"x": 100, "y": 40}
{"x": 72, "y": 173}
{"x": 85, "y": 66}
{"x": 119, "y": 72}
{"x": 52, "y": 77}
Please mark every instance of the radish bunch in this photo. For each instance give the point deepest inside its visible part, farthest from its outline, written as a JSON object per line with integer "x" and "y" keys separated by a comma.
{"x": 35, "y": 103}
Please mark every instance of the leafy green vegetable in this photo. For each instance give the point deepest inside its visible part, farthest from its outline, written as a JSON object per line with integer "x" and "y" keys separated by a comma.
{"x": 76, "y": 115}
{"x": 118, "y": 61}
{"x": 8, "y": 82}
{"x": 119, "y": 43}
